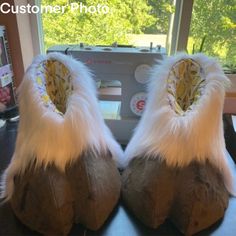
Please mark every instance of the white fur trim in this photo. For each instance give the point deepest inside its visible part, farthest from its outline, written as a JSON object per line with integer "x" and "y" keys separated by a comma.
{"x": 179, "y": 140}
{"x": 51, "y": 138}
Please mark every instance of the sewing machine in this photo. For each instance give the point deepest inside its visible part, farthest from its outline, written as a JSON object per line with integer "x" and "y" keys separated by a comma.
{"x": 121, "y": 73}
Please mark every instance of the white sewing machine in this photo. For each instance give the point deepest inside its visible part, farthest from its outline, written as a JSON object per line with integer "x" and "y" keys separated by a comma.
{"x": 121, "y": 73}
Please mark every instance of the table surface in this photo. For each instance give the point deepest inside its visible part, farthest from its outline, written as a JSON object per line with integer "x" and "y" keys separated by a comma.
{"x": 120, "y": 223}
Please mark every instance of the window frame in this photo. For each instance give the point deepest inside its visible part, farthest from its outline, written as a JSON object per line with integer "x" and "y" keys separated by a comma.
{"x": 179, "y": 31}
{"x": 37, "y": 29}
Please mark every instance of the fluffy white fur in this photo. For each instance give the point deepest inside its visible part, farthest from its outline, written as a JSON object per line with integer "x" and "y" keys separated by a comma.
{"x": 46, "y": 137}
{"x": 177, "y": 139}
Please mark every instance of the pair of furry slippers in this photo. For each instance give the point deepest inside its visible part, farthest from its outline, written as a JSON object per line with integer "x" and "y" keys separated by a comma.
{"x": 63, "y": 170}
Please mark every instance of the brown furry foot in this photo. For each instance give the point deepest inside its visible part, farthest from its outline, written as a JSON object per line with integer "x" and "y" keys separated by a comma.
{"x": 50, "y": 202}
{"x": 43, "y": 201}
{"x": 193, "y": 197}
{"x": 95, "y": 182}
{"x": 148, "y": 190}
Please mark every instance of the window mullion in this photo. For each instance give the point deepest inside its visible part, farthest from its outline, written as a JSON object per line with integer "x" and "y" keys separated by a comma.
{"x": 36, "y": 29}
{"x": 181, "y": 25}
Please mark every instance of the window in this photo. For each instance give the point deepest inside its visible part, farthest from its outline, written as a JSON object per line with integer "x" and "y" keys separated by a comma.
{"x": 139, "y": 22}
{"x": 128, "y": 22}
{"x": 214, "y": 22}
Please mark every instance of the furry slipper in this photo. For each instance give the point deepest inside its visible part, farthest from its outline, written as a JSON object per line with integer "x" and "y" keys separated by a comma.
{"x": 63, "y": 168}
{"x": 176, "y": 163}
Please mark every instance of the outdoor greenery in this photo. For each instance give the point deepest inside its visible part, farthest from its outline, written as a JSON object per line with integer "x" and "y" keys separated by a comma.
{"x": 214, "y": 19}
{"x": 125, "y": 17}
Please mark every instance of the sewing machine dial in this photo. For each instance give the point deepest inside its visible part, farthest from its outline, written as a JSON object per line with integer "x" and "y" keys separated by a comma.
{"x": 142, "y": 73}
{"x": 137, "y": 103}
